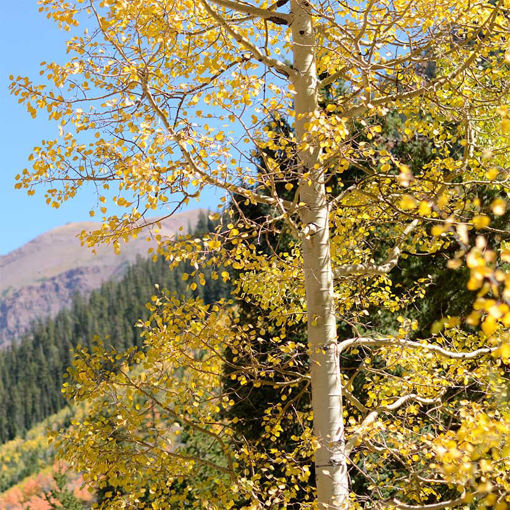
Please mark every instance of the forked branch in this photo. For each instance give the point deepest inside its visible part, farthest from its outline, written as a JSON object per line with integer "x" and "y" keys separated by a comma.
{"x": 369, "y": 420}
{"x": 190, "y": 160}
{"x": 272, "y": 63}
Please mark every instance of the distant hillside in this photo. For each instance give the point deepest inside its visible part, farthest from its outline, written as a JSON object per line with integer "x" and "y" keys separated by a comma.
{"x": 28, "y": 468}
{"x": 40, "y": 278}
{"x": 32, "y": 368}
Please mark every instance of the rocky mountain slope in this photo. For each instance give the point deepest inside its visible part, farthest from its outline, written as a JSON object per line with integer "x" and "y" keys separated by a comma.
{"x": 38, "y": 279}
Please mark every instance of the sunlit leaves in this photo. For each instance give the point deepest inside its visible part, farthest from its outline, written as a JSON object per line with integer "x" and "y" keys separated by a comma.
{"x": 161, "y": 100}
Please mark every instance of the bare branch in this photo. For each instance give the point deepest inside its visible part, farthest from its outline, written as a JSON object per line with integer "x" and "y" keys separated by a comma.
{"x": 412, "y": 397}
{"x": 365, "y": 425}
{"x": 354, "y": 401}
{"x": 372, "y": 416}
{"x": 395, "y": 503}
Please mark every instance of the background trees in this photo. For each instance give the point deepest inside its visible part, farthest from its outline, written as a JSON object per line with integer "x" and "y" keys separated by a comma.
{"x": 33, "y": 370}
{"x": 160, "y": 101}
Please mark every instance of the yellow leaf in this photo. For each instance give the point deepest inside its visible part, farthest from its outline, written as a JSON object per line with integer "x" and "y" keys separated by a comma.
{"x": 437, "y": 230}
{"x": 492, "y": 174}
{"x": 505, "y": 255}
{"x": 481, "y": 221}
{"x": 407, "y": 202}
{"x": 437, "y": 327}
{"x": 498, "y": 207}
{"x": 505, "y": 351}
{"x": 424, "y": 208}
{"x": 489, "y": 326}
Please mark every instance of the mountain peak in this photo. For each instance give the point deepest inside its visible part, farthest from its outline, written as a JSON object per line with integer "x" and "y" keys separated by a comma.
{"x": 39, "y": 278}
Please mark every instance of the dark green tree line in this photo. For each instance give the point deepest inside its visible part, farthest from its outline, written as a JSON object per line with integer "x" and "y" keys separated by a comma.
{"x": 32, "y": 369}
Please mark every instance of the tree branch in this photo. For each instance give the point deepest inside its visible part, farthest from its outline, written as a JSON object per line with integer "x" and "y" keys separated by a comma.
{"x": 369, "y": 268}
{"x": 372, "y": 416}
{"x": 209, "y": 179}
{"x": 275, "y": 64}
{"x": 378, "y": 342}
{"x": 189, "y": 422}
{"x": 365, "y": 424}
{"x": 395, "y": 503}
{"x": 279, "y": 18}
{"x": 354, "y": 401}
{"x": 434, "y": 85}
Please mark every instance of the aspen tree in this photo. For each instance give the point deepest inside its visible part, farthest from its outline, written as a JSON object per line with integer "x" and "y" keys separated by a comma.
{"x": 161, "y": 100}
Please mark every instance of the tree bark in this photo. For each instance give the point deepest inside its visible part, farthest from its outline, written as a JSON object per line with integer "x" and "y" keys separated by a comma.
{"x": 330, "y": 459}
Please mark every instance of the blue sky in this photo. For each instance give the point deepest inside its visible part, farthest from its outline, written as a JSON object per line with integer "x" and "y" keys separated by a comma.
{"x": 26, "y": 39}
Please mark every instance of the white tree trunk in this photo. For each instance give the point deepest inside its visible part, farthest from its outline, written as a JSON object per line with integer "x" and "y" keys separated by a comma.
{"x": 330, "y": 459}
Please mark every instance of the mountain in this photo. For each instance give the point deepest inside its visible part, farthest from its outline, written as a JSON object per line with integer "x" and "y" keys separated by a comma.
{"x": 32, "y": 368}
{"x": 39, "y": 278}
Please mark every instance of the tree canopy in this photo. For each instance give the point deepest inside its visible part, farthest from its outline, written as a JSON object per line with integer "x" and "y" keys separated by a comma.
{"x": 160, "y": 100}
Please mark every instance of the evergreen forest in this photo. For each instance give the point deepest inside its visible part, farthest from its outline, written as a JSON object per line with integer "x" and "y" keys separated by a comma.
{"x": 33, "y": 368}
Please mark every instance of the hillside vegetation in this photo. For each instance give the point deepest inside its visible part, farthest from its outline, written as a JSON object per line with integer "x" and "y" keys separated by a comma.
{"x": 32, "y": 370}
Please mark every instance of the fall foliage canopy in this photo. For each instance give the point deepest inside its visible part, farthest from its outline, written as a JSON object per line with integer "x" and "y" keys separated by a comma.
{"x": 307, "y": 109}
